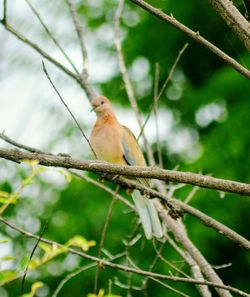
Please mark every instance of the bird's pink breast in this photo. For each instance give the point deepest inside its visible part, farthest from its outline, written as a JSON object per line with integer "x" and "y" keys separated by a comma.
{"x": 106, "y": 140}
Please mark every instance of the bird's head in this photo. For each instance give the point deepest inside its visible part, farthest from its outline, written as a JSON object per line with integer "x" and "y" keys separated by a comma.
{"x": 101, "y": 104}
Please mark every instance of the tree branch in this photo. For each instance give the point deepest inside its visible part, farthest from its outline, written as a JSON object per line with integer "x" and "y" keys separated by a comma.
{"x": 234, "y": 19}
{"x": 123, "y": 267}
{"x": 79, "y": 32}
{"x": 196, "y": 179}
{"x": 194, "y": 35}
{"x": 51, "y": 36}
{"x": 4, "y": 19}
{"x": 127, "y": 82}
{"x": 174, "y": 205}
{"x": 82, "y": 82}
{"x": 158, "y": 96}
{"x": 64, "y": 103}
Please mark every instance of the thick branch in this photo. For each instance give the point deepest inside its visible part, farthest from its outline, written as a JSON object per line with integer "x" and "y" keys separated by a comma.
{"x": 194, "y": 35}
{"x": 138, "y": 171}
{"x": 174, "y": 205}
{"x": 234, "y": 19}
{"x": 123, "y": 267}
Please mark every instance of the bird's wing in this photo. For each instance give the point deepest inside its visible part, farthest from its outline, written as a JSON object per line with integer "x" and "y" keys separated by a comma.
{"x": 132, "y": 153}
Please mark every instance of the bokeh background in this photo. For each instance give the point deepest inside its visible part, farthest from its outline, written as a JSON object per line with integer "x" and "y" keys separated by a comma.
{"x": 204, "y": 126}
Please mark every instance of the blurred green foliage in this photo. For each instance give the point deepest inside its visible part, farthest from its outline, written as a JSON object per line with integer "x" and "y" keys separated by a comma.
{"x": 205, "y": 96}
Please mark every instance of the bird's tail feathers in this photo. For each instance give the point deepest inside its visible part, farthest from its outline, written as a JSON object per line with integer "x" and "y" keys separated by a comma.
{"x": 154, "y": 218}
{"x": 148, "y": 215}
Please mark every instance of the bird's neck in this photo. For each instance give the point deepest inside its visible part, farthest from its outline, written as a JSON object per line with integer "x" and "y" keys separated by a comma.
{"x": 107, "y": 117}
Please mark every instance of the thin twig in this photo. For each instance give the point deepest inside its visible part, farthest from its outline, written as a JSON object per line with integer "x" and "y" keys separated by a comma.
{"x": 171, "y": 72}
{"x": 64, "y": 103}
{"x": 194, "y": 267}
{"x": 79, "y": 31}
{"x": 107, "y": 189}
{"x": 194, "y": 35}
{"x": 126, "y": 80}
{"x": 4, "y": 19}
{"x": 122, "y": 267}
{"x": 103, "y": 236}
{"x": 52, "y": 36}
{"x": 160, "y": 161}
{"x": 169, "y": 287}
{"x": 159, "y": 255}
{"x": 180, "y": 233}
{"x": 31, "y": 255}
{"x": 191, "y": 194}
{"x": 78, "y": 271}
{"x": 70, "y": 276}
{"x": 165, "y": 285}
{"x": 21, "y": 146}
{"x": 82, "y": 82}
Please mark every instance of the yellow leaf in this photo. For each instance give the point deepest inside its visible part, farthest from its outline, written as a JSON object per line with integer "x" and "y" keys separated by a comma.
{"x": 7, "y": 258}
{"x": 66, "y": 174}
{"x": 80, "y": 242}
{"x": 30, "y": 162}
{"x": 4, "y": 240}
{"x": 34, "y": 288}
{"x": 45, "y": 246}
{"x": 4, "y": 194}
{"x": 100, "y": 294}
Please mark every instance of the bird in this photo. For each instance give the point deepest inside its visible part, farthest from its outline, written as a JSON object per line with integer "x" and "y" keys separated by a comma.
{"x": 112, "y": 142}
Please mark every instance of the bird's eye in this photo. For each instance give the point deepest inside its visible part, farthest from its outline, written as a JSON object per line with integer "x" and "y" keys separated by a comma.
{"x": 102, "y": 102}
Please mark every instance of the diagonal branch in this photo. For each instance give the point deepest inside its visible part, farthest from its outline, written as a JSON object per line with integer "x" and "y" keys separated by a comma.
{"x": 174, "y": 205}
{"x": 103, "y": 236}
{"x": 79, "y": 32}
{"x": 194, "y": 35}
{"x": 82, "y": 82}
{"x": 64, "y": 103}
{"x": 200, "y": 180}
{"x": 127, "y": 82}
{"x": 123, "y": 267}
{"x": 4, "y": 19}
{"x": 158, "y": 96}
{"x": 234, "y": 19}
{"x": 51, "y": 36}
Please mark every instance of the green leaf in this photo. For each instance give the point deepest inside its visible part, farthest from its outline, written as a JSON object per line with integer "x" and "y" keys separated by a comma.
{"x": 24, "y": 262}
{"x": 80, "y": 242}
{"x": 7, "y": 275}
